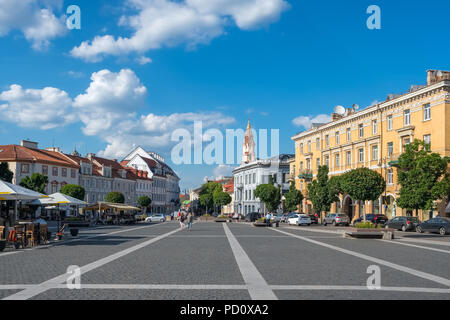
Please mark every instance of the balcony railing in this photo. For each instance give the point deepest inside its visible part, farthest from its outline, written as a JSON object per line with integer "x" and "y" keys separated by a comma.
{"x": 392, "y": 161}
{"x": 306, "y": 175}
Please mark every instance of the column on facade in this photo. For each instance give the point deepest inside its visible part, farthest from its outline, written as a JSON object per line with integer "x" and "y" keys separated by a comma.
{"x": 333, "y": 208}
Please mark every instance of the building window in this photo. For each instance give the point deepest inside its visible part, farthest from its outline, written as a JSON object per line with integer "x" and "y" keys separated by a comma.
{"x": 389, "y": 123}
{"x": 55, "y": 171}
{"x": 374, "y": 153}
{"x": 337, "y": 137}
{"x": 54, "y": 187}
{"x": 427, "y": 139}
{"x": 406, "y": 141}
{"x": 309, "y": 146}
{"x": 25, "y": 168}
{"x": 327, "y": 161}
{"x": 390, "y": 177}
{"x": 338, "y": 160}
{"x": 318, "y": 163}
{"x": 318, "y": 144}
{"x": 64, "y": 172}
{"x": 254, "y": 178}
{"x": 301, "y": 165}
{"x": 308, "y": 164}
{"x": 390, "y": 149}
{"x": 374, "y": 127}
{"x": 349, "y": 158}
{"x": 349, "y": 134}
{"x": 327, "y": 140}
{"x": 407, "y": 117}
{"x": 301, "y": 147}
{"x": 73, "y": 173}
{"x": 45, "y": 170}
{"x": 427, "y": 112}
{"x": 361, "y": 155}
{"x": 361, "y": 131}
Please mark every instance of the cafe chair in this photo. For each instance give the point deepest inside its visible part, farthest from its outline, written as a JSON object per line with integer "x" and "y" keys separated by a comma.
{"x": 29, "y": 235}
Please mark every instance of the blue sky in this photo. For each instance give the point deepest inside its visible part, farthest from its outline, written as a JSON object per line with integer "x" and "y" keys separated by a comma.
{"x": 221, "y": 63}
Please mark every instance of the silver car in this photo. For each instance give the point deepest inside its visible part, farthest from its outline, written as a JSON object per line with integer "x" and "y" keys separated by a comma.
{"x": 336, "y": 219}
{"x": 156, "y": 218}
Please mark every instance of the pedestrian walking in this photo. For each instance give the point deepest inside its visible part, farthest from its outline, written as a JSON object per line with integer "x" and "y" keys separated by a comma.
{"x": 190, "y": 220}
{"x": 182, "y": 218}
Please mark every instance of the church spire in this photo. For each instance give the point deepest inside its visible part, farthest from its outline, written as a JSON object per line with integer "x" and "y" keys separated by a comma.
{"x": 248, "y": 148}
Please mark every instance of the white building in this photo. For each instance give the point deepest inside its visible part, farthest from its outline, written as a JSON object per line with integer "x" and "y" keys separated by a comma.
{"x": 165, "y": 182}
{"x": 253, "y": 172}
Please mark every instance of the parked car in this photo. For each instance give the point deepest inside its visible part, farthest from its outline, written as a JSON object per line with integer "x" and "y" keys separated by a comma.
{"x": 156, "y": 218}
{"x": 374, "y": 218}
{"x": 441, "y": 225}
{"x": 284, "y": 218}
{"x": 277, "y": 218}
{"x": 252, "y": 216}
{"x": 336, "y": 219}
{"x": 300, "y": 219}
{"x": 403, "y": 223}
{"x": 314, "y": 219}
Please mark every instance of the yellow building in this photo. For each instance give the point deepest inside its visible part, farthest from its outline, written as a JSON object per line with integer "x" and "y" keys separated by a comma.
{"x": 374, "y": 138}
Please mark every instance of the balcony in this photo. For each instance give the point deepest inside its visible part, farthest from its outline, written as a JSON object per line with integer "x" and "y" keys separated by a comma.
{"x": 290, "y": 177}
{"x": 239, "y": 185}
{"x": 306, "y": 175}
{"x": 392, "y": 161}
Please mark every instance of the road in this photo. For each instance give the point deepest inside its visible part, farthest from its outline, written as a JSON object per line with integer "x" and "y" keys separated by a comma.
{"x": 231, "y": 261}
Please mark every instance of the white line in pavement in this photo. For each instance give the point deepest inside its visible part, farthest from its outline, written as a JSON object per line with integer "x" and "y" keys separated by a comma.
{"x": 416, "y": 246}
{"x": 437, "y": 243}
{"x": 360, "y": 288}
{"x": 29, "y": 293}
{"x": 309, "y": 229}
{"x": 417, "y": 273}
{"x": 256, "y": 284}
{"x": 102, "y": 286}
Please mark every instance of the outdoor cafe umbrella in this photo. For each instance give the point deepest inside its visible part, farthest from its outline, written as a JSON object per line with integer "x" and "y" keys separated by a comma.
{"x": 57, "y": 199}
{"x": 9, "y": 191}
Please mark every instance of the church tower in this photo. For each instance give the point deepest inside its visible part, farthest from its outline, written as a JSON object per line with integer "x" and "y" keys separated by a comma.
{"x": 248, "y": 149}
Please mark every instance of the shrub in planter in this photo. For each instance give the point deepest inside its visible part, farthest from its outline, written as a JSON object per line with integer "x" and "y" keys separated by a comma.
{"x": 367, "y": 225}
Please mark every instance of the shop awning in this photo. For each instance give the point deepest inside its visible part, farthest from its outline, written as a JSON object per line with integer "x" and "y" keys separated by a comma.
{"x": 109, "y": 205}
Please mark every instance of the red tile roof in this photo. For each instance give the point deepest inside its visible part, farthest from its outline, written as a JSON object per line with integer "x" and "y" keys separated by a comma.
{"x": 18, "y": 153}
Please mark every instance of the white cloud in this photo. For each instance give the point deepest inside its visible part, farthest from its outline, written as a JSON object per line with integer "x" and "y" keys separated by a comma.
{"x": 34, "y": 18}
{"x": 306, "y": 121}
{"x": 42, "y": 108}
{"x": 143, "y": 60}
{"x": 109, "y": 109}
{"x": 223, "y": 170}
{"x": 111, "y": 98}
{"x": 167, "y": 23}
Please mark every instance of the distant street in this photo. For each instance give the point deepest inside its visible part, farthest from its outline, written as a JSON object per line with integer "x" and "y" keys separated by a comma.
{"x": 230, "y": 261}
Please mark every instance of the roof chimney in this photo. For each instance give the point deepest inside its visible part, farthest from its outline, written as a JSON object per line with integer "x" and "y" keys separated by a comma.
{"x": 29, "y": 144}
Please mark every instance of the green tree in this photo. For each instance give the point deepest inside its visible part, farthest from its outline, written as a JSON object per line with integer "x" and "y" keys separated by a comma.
{"x": 269, "y": 195}
{"x": 221, "y": 198}
{"x": 36, "y": 182}
{"x": 206, "y": 201}
{"x": 323, "y": 191}
{"x": 73, "y": 190}
{"x": 5, "y": 173}
{"x": 115, "y": 197}
{"x": 144, "y": 202}
{"x": 363, "y": 184}
{"x": 423, "y": 177}
{"x": 293, "y": 198}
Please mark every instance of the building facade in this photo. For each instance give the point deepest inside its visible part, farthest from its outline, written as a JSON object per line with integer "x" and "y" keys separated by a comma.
{"x": 165, "y": 182}
{"x": 96, "y": 179}
{"x": 374, "y": 138}
{"x": 253, "y": 172}
{"x": 25, "y": 159}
